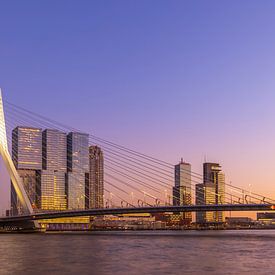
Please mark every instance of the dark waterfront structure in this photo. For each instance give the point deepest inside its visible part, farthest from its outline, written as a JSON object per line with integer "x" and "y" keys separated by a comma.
{"x": 96, "y": 184}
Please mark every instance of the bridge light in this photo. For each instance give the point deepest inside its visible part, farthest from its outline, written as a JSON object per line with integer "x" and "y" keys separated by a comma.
{"x": 272, "y": 207}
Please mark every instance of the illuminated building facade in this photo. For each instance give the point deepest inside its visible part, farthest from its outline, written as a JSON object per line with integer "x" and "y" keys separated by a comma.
{"x": 53, "y": 176}
{"x": 53, "y": 195}
{"x": 211, "y": 191}
{"x": 53, "y": 166}
{"x": 78, "y": 170}
{"x": 182, "y": 188}
{"x": 96, "y": 185}
{"x": 27, "y": 158}
{"x": 27, "y": 148}
{"x": 54, "y": 150}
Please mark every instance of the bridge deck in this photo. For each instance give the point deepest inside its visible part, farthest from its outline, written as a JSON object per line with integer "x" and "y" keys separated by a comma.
{"x": 135, "y": 210}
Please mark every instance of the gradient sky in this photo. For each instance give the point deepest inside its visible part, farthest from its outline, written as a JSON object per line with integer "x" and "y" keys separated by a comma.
{"x": 173, "y": 79}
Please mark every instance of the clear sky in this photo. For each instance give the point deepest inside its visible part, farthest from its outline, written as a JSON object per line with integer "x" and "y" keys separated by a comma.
{"x": 169, "y": 78}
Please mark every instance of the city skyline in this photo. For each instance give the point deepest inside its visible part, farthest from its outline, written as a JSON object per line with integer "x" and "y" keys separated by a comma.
{"x": 137, "y": 137}
{"x": 45, "y": 158}
{"x": 59, "y": 170}
{"x": 198, "y": 84}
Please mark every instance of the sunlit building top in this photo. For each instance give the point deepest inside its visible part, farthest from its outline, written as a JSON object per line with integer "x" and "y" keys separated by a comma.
{"x": 27, "y": 148}
{"x": 54, "y": 150}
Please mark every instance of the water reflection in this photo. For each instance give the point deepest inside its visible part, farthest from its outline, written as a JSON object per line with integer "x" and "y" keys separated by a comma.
{"x": 190, "y": 252}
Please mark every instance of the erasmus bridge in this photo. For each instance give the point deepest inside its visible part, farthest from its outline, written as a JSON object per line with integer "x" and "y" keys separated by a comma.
{"x": 133, "y": 182}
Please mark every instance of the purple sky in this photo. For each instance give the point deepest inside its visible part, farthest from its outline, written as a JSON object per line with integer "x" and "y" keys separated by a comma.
{"x": 168, "y": 78}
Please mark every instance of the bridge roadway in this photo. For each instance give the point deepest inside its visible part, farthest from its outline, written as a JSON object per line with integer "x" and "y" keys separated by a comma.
{"x": 135, "y": 210}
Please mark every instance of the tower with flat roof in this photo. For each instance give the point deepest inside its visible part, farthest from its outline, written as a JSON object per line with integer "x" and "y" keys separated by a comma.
{"x": 78, "y": 170}
{"x": 96, "y": 185}
{"x": 182, "y": 188}
{"x": 211, "y": 191}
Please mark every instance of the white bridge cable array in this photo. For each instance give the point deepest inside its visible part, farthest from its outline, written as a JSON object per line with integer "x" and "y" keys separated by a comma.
{"x": 231, "y": 197}
{"x": 76, "y": 179}
{"x": 115, "y": 186}
{"x": 196, "y": 173}
{"x": 120, "y": 181}
{"x": 140, "y": 168}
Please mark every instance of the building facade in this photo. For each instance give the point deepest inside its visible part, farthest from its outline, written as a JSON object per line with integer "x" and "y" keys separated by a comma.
{"x": 182, "y": 189}
{"x": 53, "y": 176}
{"x": 211, "y": 191}
{"x": 53, "y": 166}
{"x": 77, "y": 184}
{"x": 27, "y": 158}
{"x": 96, "y": 184}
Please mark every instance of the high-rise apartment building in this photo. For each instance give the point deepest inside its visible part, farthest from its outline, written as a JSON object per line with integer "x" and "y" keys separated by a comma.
{"x": 182, "y": 188}
{"x": 211, "y": 191}
{"x": 78, "y": 169}
{"x": 27, "y": 158}
{"x": 96, "y": 185}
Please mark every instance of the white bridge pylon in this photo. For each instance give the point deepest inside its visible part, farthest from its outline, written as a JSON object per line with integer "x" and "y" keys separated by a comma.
{"x": 15, "y": 178}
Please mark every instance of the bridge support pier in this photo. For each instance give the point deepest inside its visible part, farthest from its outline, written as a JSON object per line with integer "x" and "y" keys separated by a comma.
{"x": 19, "y": 227}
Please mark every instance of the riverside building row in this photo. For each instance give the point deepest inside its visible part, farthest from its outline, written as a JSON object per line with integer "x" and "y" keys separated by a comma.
{"x": 59, "y": 171}
{"x": 210, "y": 191}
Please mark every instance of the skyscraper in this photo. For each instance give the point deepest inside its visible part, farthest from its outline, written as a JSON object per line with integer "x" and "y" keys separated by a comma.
{"x": 27, "y": 158}
{"x": 212, "y": 191}
{"x": 96, "y": 185}
{"x": 52, "y": 196}
{"x": 205, "y": 194}
{"x": 54, "y": 150}
{"x": 53, "y": 166}
{"x": 182, "y": 188}
{"x": 78, "y": 169}
{"x": 27, "y": 148}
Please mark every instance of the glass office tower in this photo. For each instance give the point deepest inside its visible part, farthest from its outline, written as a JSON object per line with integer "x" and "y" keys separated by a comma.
{"x": 53, "y": 196}
{"x": 182, "y": 188}
{"x": 78, "y": 169}
{"x": 96, "y": 185}
{"x": 212, "y": 191}
{"x": 27, "y": 158}
{"x": 27, "y": 148}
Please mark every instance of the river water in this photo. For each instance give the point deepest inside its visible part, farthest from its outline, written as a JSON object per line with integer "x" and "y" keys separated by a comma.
{"x": 148, "y": 252}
